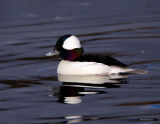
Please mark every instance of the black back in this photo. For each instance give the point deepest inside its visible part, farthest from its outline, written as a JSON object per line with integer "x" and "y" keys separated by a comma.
{"x": 107, "y": 60}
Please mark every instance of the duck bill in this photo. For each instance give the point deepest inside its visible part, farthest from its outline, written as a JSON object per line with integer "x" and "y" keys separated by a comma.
{"x": 52, "y": 53}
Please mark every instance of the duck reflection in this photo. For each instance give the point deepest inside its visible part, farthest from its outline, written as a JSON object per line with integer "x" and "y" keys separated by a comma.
{"x": 70, "y": 95}
{"x": 74, "y": 87}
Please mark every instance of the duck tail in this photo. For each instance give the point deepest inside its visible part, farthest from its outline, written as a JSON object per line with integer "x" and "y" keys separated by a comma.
{"x": 137, "y": 71}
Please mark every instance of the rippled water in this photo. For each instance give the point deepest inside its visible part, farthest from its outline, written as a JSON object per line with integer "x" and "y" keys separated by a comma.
{"x": 30, "y": 90}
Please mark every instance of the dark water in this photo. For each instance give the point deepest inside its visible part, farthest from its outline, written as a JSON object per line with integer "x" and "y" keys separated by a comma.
{"x": 30, "y": 92}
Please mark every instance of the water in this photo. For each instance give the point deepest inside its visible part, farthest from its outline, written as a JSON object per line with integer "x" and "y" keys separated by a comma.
{"x": 30, "y": 90}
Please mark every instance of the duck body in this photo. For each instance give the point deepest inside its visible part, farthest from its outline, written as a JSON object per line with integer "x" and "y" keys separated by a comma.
{"x": 92, "y": 65}
{"x": 75, "y": 63}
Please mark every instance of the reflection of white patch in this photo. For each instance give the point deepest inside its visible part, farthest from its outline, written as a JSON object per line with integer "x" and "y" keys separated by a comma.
{"x": 71, "y": 43}
{"x": 84, "y": 93}
{"x": 73, "y": 117}
{"x": 72, "y": 100}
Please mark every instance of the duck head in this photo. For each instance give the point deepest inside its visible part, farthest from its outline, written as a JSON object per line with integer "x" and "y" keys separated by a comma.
{"x": 68, "y": 47}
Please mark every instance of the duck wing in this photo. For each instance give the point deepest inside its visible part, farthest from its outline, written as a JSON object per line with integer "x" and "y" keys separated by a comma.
{"x": 107, "y": 60}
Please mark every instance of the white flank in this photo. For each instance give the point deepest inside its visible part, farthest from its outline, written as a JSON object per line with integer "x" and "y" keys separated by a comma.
{"x": 91, "y": 79}
{"x": 116, "y": 70}
{"x": 82, "y": 68}
{"x": 91, "y": 68}
{"x": 71, "y": 43}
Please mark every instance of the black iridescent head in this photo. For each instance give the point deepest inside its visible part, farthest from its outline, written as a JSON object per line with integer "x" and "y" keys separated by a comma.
{"x": 69, "y": 47}
{"x": 60, "y": 42}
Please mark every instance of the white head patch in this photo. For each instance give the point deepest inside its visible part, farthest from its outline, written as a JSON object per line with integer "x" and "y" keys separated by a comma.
{"x": 71, "y": 43}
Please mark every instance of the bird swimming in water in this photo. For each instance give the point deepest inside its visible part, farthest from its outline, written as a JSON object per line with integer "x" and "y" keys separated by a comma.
{"x": 75, "y": 63}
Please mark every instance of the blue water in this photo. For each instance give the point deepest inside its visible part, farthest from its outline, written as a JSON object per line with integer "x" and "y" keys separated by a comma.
{"x": 31, "y": 92}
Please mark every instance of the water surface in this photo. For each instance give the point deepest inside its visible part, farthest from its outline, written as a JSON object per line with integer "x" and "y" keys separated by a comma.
{"x": 30, "y": 90}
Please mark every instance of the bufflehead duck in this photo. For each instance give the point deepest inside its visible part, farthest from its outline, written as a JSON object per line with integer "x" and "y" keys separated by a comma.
{"x": 75, "y": 63}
